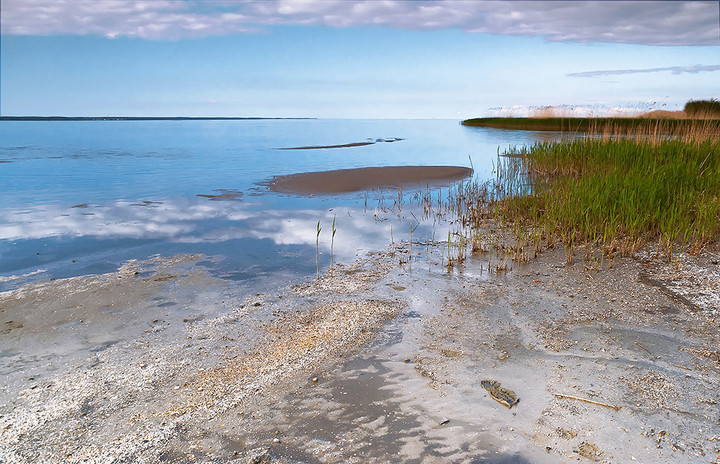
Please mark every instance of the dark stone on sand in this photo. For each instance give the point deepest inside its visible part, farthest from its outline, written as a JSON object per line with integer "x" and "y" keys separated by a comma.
{"x": 506, "y": 397}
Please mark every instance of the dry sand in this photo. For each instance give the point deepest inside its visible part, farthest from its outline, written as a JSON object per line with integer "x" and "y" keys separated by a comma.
{"x": 353, "y": 180}
{"x": 382, "y": 362}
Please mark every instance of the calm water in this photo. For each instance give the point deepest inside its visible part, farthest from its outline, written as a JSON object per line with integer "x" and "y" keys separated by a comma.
{"x": 83, "y": 197}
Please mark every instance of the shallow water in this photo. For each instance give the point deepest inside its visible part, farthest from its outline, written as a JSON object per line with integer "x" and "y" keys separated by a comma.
{"x": 82, "y": 197}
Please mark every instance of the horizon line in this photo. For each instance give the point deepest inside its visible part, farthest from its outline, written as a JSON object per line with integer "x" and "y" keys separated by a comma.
{"x": 140, "y": 118}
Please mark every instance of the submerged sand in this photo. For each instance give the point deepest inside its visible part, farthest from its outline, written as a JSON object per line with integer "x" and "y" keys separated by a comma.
{"x": 354, "y": 180}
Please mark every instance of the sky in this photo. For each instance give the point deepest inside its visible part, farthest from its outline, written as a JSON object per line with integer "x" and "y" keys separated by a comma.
{"x": 451, "y": 59}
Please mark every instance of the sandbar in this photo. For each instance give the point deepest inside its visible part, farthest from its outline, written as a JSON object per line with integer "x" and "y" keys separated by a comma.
{"x": 343, "y": 145}
{"x": 354, "y": 180}
{"x": 319, "y": 147}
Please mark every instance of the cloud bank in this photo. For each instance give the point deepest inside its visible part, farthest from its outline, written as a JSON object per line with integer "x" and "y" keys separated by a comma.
{"x": 673, "y": 69}
{"x": 635, "y": 22}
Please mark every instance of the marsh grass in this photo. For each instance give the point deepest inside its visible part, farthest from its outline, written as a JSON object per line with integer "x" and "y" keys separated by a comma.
{"x": 623, "y": 191}
{"x": 607, "y": 193}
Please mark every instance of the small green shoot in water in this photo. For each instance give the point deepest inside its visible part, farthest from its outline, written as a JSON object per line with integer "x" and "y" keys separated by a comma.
{"x": 412, "y": 229}
{"x": 332, "y": 244}
{"x": 449, "y": 263}
{"x": 317, "y": 250}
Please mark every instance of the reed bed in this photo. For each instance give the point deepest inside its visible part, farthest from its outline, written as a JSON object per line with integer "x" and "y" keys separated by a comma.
{"x": 609, "y": 192}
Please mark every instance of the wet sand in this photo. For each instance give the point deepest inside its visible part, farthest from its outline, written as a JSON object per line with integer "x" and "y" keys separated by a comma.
{"x": 381, "y": 362}
{"x": 354, "y": 180}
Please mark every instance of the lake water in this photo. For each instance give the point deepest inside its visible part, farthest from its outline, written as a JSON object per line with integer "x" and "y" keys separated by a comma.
{"x": 82, "y": 197}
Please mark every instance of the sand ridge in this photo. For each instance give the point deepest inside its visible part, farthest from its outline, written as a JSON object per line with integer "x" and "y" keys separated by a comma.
{"x": 354, "y": 180}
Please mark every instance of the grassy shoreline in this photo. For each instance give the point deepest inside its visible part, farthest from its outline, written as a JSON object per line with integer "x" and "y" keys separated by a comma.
{"x": 572, "y": 125}
{"x": 612, "y": 191}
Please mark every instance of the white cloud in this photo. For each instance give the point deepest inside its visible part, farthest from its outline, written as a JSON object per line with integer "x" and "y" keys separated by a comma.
{"x": 150, "y": 19}
{"x": 640, "y": 22}
{"x": 673, "y": 69}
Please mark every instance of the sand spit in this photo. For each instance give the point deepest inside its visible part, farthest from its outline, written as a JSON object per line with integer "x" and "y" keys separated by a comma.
{"x": 353, "y": 180}
{"x": 344, "y": 145}
{"x": 320, "y": 147}
{"x": 382, "y": 362}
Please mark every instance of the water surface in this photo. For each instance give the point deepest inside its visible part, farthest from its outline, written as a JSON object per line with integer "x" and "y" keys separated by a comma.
{"x": 82, "y": 197}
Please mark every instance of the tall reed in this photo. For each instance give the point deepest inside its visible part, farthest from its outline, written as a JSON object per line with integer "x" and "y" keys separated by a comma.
{"x": 616, "y": 190}
{"x": 611, "y": 190}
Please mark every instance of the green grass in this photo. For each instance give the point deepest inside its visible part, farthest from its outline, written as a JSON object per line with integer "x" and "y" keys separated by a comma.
{"x": 608, "y": 191}
{"x": 615, "y": 193}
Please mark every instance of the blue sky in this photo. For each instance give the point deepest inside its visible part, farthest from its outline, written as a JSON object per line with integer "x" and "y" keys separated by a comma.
{"x": 353, "y": 59}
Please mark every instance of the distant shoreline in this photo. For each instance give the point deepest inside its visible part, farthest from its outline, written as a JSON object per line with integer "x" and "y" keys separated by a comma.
{"x": 133, "y": 118}
{"x": 587, "y": 124}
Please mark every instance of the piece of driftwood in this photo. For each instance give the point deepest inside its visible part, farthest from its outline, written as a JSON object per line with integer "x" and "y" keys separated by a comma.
{"x": 570, "y": 397}
{"x": 641, "y": 346}
{"x": 680, "y": 411}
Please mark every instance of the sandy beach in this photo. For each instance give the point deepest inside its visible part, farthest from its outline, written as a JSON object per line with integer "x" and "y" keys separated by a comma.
{"x": 382, "y": 362}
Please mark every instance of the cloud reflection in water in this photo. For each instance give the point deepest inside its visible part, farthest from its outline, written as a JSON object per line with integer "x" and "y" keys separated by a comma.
{"x": 188, "y": 222}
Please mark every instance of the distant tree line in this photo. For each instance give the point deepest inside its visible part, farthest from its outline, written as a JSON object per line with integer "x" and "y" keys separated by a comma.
{"x": 702, "y": 108}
